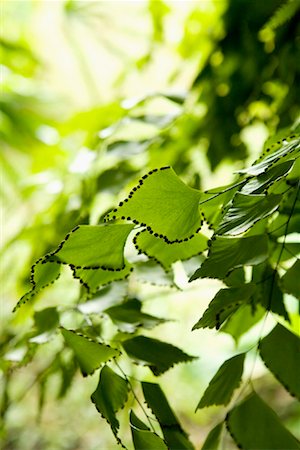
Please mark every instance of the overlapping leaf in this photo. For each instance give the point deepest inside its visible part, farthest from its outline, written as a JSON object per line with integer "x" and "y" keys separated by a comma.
{"x": 224, "y": 382}
{"x": 142, "y": 437}
{"x": 271, "y": 297}
{"x": 225, "y": 302}
{"x": 266, "y": 430}
{"x": 110, "y": 396}
{"x": 280, "y": 351}
{"x": 99, "y": 246}
{"x": 228, "y": 253}
{"x": 89, "y": 354}
{"x": 165, "y": 253}
{"x": 175, "y": 437}
{"x": 93, "y": 279}
{"x": 290, "y": 282}
{"x": 245, "y": 211}
{"x": 163, "y": 203}
{"x": 263, "y": 181}
{"x": 159, "y": 356}
{"x": 243, "y": 319}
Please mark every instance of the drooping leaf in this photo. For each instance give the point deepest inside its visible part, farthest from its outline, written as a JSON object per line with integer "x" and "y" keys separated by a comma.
{"x": 93, "y": 279}
{"x": 224, "y": 382}
{"x": 156, "y": 400}
{"x": 94, "y": 246}
{"x": 225, "y": 302}
{"x": 258, "y": 184}
{"x": 229, "y": 253}
{"x": 290, "y": 282}
{"x": 244, "y": 318}
{"x": 89, "y": 354}
{"x": 288, "y": 150}
{"x": 159, "y": 356}
{"x": 110, "y": 396}
{"x": 266, "y": 430}
{"x": 162, "y": 203}
{"x": 280, "y": 351}
{"x": 213, "y": 438}
{"x": 245, "y": 211}
{"x": 271, "y": 297}
{"x": 165, "y": 253}
{"x": 128, "y": 316}
{"x": 142, "y": 437}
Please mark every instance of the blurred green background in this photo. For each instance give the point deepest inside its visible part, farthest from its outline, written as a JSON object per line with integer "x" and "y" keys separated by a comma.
{"x": 93, "y": 95}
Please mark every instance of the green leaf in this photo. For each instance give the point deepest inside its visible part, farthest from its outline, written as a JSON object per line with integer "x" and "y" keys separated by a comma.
{"x": 153, "y": 273}
{"x": 166, "y": 253}
{"x": 245, "y": 211}
{"x": 99, "y": 246}
{"x": 46, "y": 319}
{"x": 142, "y": 437}
{"x": 271, "y": 297}
{"x": 213, "y": 438}
{"x": 158, "y": 355}
{"x": 110, "y": 396}
{"x": 258, "y": 184}
{"x": 162, "y": 203}
{"x": 228, "y": 253}
{"x": 266, "y": 430}
{"x": 156, "y": 400}
{"x": 93, "y": 279}
{"x": 288, "y": 150}
{"x": 280, "y": 351}
{"x": 290, "y": 282}
{"x": 224, "y": 382}
{"x": 225, "y": 302}
{"x": 244, "y": 318}
{"x": 128, "y": 316}
{"x": 89, "y": 354}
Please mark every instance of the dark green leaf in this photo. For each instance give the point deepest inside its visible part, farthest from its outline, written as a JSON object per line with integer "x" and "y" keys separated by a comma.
{"x": 266, "y": 430}
{"x": 46, "y": 319}
{"x": 280, "y": 351}
{"x": 163, "y": 203}
{"x": 110, "y": 396}
{"x": 89, "y": 354}
{"x": 128, "y": 316}
{"x": 213, "y": 439}
{"x": 158, "y": 355}
{"x": 156, "y": 400}
{"x": 228, "y": 253}
{"x": 99, "y": 246}
{"x": 166, "y": 253}
{"x": 245, "y": 211}
{"x": 290, "y": 282}
{"x": 244, "y": 318}
{"x": 225, "y": 302}
{"x": 271, "y": 297}
{"x": 142, "y": 437}
{"x": 224, "y": 382}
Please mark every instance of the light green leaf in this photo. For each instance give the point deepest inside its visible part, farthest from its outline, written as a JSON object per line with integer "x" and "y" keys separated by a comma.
{"x": 245, "y": 211}
{"x": 213, "y": 438}
{"x": 244, "y": 318}
{"x": 166, "y": 253}
{"x": 290, "y": 282}
{"x": 288, "y": 150}
{"x": 93, "y": 279}
{"x": 258, "y": 184}
{"x": 89, "y": 354}
{"x": 142, "y": 437}
{"x": 280, "y": 351}
{"x": 162, "y": 203}
{"x": 225, "y": 302}
{"x": 110, "y": 396}
{"x": 99, "y": 246}
{"x": 156, "y": 400}
{"x": 159, "y": 356}
{"x": 228, "y": 253}
{"x": 224, "y": 382}
{"x": 128, "y": 316}
{"x": 266, "y": 430}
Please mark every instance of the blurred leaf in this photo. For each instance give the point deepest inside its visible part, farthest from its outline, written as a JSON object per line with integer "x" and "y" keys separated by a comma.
{"x": 280, "y": 351}
{"x": 266, "y": 430}
{"x": 213, "y": 438}
{"x": 224, "y": 382}
{"x": 89, "y": 354}
{"x": 46, "y": 319}
{"x": 159, "y": 356}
